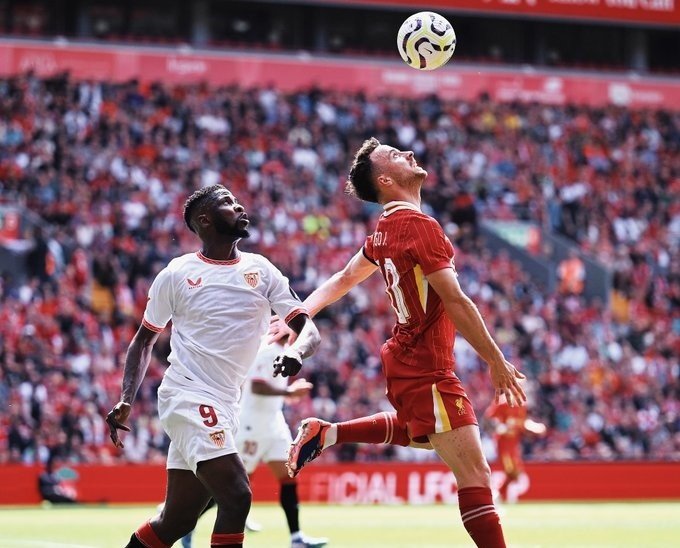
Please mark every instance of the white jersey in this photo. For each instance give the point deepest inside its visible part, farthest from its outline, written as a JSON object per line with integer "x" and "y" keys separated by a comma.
{"x": 219, "y": 310}
{"x": 263, "y": 435}
{"x": 257, "y": 409}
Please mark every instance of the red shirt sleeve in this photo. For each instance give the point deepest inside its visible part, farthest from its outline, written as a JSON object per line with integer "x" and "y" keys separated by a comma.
{"x": 368, "y": 249}
{"x": 429, "y": 246}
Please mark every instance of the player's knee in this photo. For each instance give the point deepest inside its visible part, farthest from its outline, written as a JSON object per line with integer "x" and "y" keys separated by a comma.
{"x": 483, "y": 472}
{"x": 237, "y": 501}
{"x": 478, "y": 473}
{"x": 242, "y": 495}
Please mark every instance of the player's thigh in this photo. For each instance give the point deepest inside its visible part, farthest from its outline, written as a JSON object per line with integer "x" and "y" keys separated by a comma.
{"x": 226, "y": 480}
{"x": 277, "y": 453}
{"x": 461, "y": 450}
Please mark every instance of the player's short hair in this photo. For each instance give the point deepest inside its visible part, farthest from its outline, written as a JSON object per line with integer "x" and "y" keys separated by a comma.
{"x": 198, "y": 203}
{"x": 360, "y": 180}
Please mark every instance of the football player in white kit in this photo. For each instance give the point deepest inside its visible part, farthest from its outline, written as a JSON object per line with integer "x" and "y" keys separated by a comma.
{"x": 264, "y": 435}
{"x": 219, "y": 300}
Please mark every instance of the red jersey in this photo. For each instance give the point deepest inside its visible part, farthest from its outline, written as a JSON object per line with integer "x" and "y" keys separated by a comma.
{"x": 408, "y": 245}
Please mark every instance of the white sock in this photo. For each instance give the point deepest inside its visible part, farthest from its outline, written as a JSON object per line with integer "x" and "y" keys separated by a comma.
{"x": 331, "y": 436}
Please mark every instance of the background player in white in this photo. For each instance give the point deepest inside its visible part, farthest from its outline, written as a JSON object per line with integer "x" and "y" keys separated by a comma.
{"x": 264, "y": 436}
{"x": 220, "y": 301}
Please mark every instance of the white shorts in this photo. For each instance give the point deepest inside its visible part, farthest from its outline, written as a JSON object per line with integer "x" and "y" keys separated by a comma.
{"x": 200, "y": 427}
{"x": 263, "y": 441}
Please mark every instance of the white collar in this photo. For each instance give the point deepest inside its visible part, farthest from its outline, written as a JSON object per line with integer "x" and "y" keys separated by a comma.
{"x": 397, "y": 205}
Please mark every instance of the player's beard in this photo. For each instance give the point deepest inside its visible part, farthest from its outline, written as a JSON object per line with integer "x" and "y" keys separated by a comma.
{"x": 224, "y": 228}
{"x": 416, "y": 179}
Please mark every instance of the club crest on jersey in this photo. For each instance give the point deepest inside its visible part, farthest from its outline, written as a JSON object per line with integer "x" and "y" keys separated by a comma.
{"x": 193, "y": 284}
{"x": 460, "y": 406}
{"x": 218, "y": 438}
{"x": 252, "y": 278}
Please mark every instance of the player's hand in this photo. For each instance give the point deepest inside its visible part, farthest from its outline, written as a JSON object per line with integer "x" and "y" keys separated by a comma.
{"x": 534, "y": 427}
{"x": 278, "y": 329}
{"x": 288, "y": 364}
{"x": 116, "y": 419}
{"x": 505, "y": 379}
{"x": 299, "y": 388}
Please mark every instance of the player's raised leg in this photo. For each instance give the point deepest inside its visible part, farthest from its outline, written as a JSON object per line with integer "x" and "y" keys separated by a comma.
{"x": 314, "y": 435}
{"x": 461, "y": 450}
{"x": 184, "y": 501}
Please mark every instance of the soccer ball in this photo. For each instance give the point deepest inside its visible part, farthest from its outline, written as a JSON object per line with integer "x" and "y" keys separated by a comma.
{"x": 426, "y": 40}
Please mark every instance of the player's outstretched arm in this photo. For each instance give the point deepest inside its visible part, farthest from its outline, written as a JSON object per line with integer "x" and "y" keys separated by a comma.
{"x": 534, "y": 427}
{"x": 137, "y": 362}
{"x": 469, "y": 323}
{"x": 339, "y": 284}
{"x": 297, "y": 389}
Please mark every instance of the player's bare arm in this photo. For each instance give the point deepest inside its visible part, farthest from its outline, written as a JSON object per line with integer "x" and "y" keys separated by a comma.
{"x": 339, "y": 284}
{"x": 469, "y": 323}
{"x": 297, "y": 389}
{"x": 534, "y": 427}
{"x": 334, "y": 288}
{"x": 137, "y": 362}
{"x": 307, "y": 341}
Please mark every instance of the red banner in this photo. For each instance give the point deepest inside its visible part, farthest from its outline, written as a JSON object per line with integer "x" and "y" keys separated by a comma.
{"x": 290, "y": 73}
{"x": 655, "y": 12}
{"x": 386, "y": 483}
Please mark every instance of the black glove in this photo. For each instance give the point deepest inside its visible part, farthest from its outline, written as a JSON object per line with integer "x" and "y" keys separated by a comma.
{"x": 288, "y": 364}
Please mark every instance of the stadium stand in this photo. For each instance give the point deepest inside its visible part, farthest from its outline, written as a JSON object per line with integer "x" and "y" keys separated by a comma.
{"x": 107, "y": 166}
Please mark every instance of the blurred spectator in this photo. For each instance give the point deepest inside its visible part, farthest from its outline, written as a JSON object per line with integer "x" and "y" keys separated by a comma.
{"x": 52, "y": 486}
{"x": 572, "y": 274}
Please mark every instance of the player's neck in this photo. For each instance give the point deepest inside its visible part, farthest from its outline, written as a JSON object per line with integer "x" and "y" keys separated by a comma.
{"x": 221, "y": 251}
{"x": 403, "y": 198}
{"x": 396, "y": 205}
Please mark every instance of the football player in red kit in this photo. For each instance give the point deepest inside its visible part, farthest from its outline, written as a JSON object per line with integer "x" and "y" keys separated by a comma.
{"x": 510, "y": 424}
{"x": 415, "y": 259}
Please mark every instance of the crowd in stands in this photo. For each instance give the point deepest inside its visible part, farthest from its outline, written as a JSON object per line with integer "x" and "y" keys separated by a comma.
{"x": 107, "y": 168}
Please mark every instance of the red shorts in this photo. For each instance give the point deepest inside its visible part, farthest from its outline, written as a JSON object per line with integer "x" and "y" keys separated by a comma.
{"x": 510, "y": 457}
{"x": 432, "y": 402}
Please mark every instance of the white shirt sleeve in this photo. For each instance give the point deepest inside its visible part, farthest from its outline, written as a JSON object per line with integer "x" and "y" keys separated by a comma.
{"x": 159, "y": 303}
{"x": 282, "y": 298}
